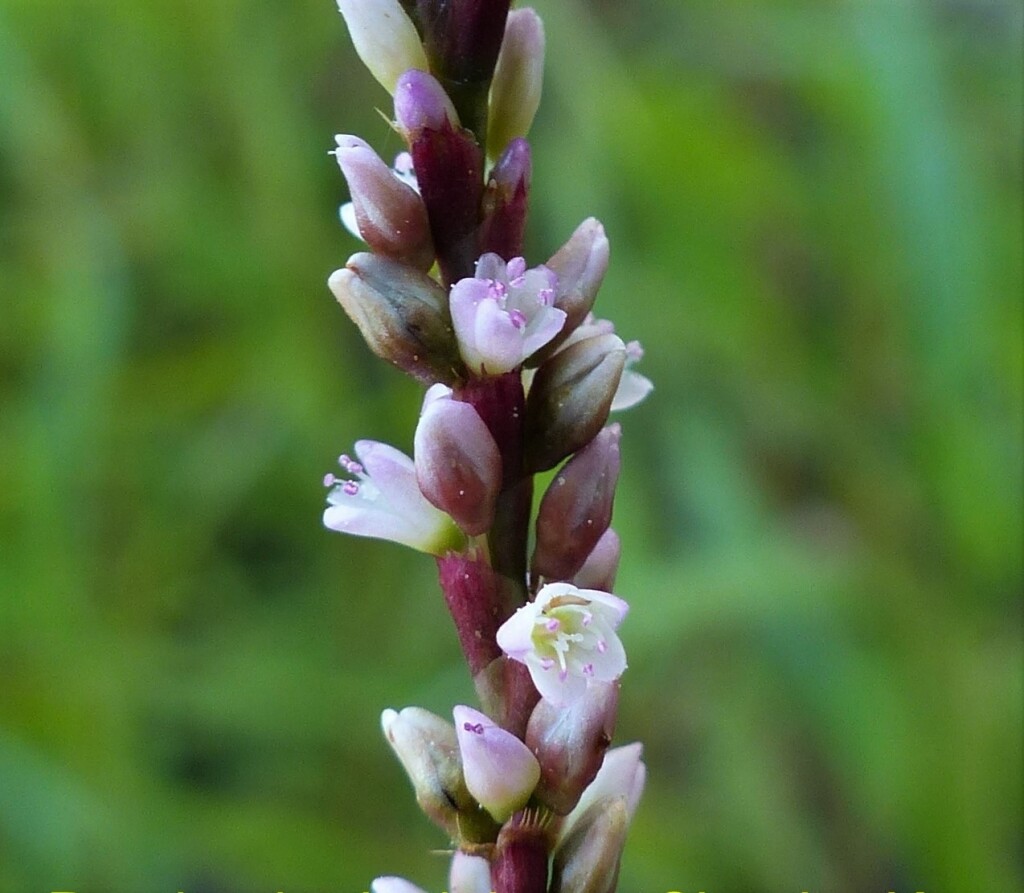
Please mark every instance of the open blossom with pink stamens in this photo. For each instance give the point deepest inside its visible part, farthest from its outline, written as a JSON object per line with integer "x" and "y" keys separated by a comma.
{"x": 381, "y": 499}
{"x": 566, "y": 637}
{"x": 504, "y": 313}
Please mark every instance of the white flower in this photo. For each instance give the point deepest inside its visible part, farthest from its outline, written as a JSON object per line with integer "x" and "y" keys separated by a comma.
{"x": 566, "y": 637}
{"x": 383, "y": 500}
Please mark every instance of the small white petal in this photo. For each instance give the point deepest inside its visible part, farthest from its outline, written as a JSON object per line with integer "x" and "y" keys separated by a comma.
{"x": 633, "y": 388}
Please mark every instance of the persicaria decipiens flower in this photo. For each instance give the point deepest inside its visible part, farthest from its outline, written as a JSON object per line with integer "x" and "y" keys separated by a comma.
{"x": 382, "y": 500}
{"x": 566, "y": 637}
{"x": 504, "y": 314}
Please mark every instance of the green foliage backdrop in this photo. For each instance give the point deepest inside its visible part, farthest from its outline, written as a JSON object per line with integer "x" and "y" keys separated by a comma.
{"x": 815, "y": 214}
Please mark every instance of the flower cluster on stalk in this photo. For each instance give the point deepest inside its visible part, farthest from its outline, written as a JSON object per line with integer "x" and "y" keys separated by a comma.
{"x": 520, "y": 379}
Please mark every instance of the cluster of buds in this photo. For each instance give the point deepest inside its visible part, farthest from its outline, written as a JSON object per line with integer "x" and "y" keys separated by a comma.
{"x": 520, "y": 379}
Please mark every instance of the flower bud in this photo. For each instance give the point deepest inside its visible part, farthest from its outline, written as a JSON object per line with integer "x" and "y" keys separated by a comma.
{"x": 469, "y": 874}
{"x": 588, "y": 860}
{"x": 570, "y": 398}
{"x": 428, "y": 749}
{"x": 402, "y": 314}
{"x": 500, "y": 770}
{"x": 570, "y": 743}
{"x": 420, "y": 102}
{"x": 622, "y": 774}
{"x": 518, "y": 76}
{"x": 384, "y": 37}
{"x": 393, "y": 885}
{"x": 505, "y": 202}
{"x": 577, "y": 508}
{"x": 602, "y": 564}
{"x": 458, "y": 465}
{"x": 390, "y": 214}
{"x": 583, "y": 262}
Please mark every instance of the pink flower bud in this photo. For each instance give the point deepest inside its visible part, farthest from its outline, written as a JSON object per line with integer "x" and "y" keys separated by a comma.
{"x": 577, "y": 508}
{"x": 570, "y": 398}
{"x": 580, "y": 264}
{"x": 458, "y": 465}
{"x": 500, "y": 770}
{"x": 390, "y": 214}
{"x": 421, "y": 103}
{"x": 505, "y": 202}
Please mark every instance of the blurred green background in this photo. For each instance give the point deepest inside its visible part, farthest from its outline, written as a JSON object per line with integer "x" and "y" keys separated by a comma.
{"x": 815, "y": 214}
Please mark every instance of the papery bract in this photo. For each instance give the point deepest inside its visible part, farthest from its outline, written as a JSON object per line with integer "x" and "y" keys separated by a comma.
{"x": 383, "y": 500}
{"x": 504, "y": 314}
{"x": 566, "y": 637}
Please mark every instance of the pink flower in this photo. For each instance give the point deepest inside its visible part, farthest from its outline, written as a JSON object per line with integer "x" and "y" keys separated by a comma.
{"x": 504, "y": 314}
{"x": 382, "y": 500}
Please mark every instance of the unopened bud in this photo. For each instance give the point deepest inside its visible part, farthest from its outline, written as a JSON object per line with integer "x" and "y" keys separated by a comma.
{"x": 458, "y": 465}
{"x": 402, "y": 314}
{"x": 602, "y": 564}
{"x": 384, "y": 37}
{"x": 570, "y": 398}
{"x": 428, "y": 749}
{"x": 500, "y": 770}
{"x": 622, "y": 774}
{"x": 393, "y": 885}
{"x": 588, "y": 860}
{"x": 469, "y": 874}
{"x": 390, "y": 214}
{"x": 518, "y": 77}
{"x": 505, "y": 202}
{"x": 420, "y": 102}
{"x": 577, "y": 508}
{"x": 583, "y": 262}
{"x": 570, "y": 744}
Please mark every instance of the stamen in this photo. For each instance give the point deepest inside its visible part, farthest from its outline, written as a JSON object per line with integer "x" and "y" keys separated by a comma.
{"x": 516, "y": 267}
{"x": 546, "y": 297}
{"x": 350, "y": 488}
{"x": 330, "y": 480}
{"x": 546, "y": 663}
{"x": 553, "y": 624}
{"x": 588, "y": 669}
{"x": 602, "y": 646}
{"x": 477, "y": 728}
{"x": 497, "y": 290}
{"x": 634, "y": 352}
{"x": 518, "y": 318}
